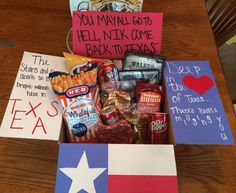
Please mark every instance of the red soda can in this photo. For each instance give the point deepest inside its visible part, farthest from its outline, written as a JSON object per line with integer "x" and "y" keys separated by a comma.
{"x": 110, "y": 115}
{"x": 108, "y": 72}
{"x": 158, "y": 128}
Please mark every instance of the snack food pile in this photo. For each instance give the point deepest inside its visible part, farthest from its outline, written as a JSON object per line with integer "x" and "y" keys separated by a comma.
{"x": 102, "y": 104}
{"x": 106, "y": 5}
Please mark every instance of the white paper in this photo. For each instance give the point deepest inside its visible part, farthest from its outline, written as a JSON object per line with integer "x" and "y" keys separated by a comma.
{"x": 32, "y": 110}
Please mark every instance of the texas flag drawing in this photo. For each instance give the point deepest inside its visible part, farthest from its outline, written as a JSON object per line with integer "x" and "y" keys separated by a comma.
{"x": 113, "y": 168}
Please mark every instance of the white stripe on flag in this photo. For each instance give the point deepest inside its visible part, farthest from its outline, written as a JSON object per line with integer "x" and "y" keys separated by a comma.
{"x": 141, "y": 160}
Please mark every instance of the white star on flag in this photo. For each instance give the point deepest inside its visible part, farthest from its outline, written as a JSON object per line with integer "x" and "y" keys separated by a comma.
{"x": 82, "y": 177}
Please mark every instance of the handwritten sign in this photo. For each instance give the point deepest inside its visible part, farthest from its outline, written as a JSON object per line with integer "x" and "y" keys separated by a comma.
{"x": 111, "y": 34}
{"x": 196, "y": 110}
{"x": 32, "y": 110}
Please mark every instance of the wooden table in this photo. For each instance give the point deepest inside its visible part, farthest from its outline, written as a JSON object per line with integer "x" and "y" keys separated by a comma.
{"x": 29, "y": 166}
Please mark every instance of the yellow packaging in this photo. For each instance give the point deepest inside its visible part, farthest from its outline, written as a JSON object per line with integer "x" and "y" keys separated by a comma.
{"x": 77, "y": 63}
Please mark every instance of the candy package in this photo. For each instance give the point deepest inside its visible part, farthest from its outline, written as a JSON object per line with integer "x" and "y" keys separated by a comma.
{"x": 106, "y": 5}
{"x": 121, "y": 99}
{"x": 120, "y": 94}
{"x": 139, "y": 121}
{"x": 149, "y": 97}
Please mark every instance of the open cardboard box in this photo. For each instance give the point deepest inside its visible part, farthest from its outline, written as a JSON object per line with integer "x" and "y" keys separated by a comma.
{"x": 34, "y": 112}
{"x": 39, "y": 116}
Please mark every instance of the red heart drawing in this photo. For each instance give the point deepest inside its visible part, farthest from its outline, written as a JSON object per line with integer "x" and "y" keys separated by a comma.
{"x": 200, "y": 85}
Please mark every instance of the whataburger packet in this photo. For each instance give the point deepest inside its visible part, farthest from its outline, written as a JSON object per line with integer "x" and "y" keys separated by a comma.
{"x": 79, "y": 96}
{"x": 77, "y": 63}
{"x": 106, "y": 5}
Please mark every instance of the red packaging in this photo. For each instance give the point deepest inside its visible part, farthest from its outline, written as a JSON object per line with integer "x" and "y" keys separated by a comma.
{"x": 108, "y": 72}
{"x": 121, "y": 132}
{"x": 149, "y": 97}
{"x": 110, "y": 115}
{"x": 158, "y": 128}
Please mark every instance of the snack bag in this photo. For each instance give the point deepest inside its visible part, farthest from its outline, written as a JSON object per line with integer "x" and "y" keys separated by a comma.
{"x": 77, "y": 64}
{"x": 149, "y": 97}
{"x": 79, "y": 96}
{"x": 142, "y": 62}
{"x": 106, "y": 5}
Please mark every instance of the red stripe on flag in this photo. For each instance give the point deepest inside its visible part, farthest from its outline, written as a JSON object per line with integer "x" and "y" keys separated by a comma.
{"x": 142, "y": 184}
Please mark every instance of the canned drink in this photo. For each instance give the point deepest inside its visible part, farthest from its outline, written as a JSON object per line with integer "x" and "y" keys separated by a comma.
{"x": 110, "y": 115}
{"x": 158, "y": 128}
{"x": 108, "y": 73}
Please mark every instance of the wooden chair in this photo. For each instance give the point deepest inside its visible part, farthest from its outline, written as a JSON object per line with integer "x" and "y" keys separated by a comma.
{"x": 222, "y": 14}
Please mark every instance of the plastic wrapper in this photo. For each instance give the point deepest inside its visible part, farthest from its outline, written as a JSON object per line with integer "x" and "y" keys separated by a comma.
{"x": 139, "y": 120}
{"x": 106, "y": 5}
{"x": 121, "y": 99}
{"x": 149, "y": 76}
{"x": 119, "y": 132}
{"x": 137, "y": 61}
{"x": 77, "y": 63}
{"x": 79, "y": 96}
{"x": 119, "y": 94}
{"x": 149, "y": 97}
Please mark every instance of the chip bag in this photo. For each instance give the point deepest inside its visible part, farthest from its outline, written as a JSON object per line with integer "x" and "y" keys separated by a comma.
{"x": 106, "y": 5}
{"x": 77, "y": 63}
{"x": 79, "y": 96}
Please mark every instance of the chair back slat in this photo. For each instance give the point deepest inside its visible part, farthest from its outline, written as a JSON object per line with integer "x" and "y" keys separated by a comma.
{"x": 222, "y": 15}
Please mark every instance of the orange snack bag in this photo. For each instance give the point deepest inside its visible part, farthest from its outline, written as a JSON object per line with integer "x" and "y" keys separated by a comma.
{"x": 77, "y": 63}
{"x": 79, "y": 96}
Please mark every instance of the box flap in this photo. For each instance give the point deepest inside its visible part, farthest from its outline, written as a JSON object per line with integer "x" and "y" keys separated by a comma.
{"x": 196, "y": 111}
{"x": 103, "y": 168}
{"x": 32, "y": 110}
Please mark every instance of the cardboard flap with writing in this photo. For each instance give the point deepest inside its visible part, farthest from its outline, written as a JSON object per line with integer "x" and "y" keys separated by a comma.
{"x": 111, "y": 34}
{"x": 32, "y": 110}
{"x": 196, "y": 112}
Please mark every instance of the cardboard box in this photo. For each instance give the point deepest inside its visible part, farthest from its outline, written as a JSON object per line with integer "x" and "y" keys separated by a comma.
{"x": 33, "y": 111}
{"x": 112, "y": 168}
{"x": 196, "y": 112}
